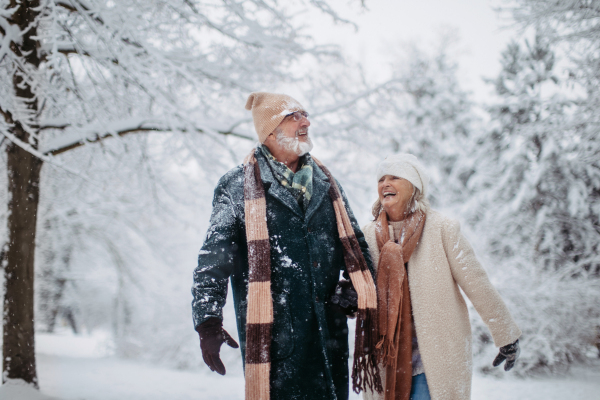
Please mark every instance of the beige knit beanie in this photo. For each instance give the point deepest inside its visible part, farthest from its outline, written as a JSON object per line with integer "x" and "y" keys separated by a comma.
{"x": 405, "y": 166}
{"x": 268, "y": 110}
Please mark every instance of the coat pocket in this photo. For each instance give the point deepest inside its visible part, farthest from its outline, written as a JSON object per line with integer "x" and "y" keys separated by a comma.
{"x": 282, "y": 342}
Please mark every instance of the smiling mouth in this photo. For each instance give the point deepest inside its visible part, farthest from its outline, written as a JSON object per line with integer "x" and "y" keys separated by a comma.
{"x": 302, "y": 132}
{"x": 388, "y": 194}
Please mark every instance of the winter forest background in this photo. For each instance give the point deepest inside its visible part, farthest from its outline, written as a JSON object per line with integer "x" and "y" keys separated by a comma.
{"x": 136, "y": 108}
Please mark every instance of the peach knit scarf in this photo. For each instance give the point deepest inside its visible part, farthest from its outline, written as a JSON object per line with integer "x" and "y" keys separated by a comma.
{"x": 260, "y": 317}
{"x": 395, "y": 325}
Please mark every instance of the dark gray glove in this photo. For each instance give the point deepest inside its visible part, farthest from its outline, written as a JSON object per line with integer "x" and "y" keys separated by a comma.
{"x": 212, "y": 336}
{"x": 345, "y": 297}
{"x": 510, "y": 353}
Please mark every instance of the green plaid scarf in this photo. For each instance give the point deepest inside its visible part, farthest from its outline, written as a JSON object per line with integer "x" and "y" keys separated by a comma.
{"x": 299, "y": 184}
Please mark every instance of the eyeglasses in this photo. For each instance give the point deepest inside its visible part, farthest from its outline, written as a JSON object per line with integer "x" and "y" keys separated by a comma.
{"x": 298, "y": 115}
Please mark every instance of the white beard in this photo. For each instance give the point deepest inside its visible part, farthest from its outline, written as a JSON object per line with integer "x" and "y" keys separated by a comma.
{"x": 294, "y": 145}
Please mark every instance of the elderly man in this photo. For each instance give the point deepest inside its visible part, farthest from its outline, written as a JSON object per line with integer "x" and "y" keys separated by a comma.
{"x": 282, "y": 230}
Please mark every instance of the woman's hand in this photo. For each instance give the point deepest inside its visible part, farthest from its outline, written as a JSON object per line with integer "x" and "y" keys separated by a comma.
{"x": 510, "y": 353}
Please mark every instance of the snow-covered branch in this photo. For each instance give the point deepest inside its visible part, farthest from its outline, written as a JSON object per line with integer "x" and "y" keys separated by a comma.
{"x": 106, "y": 61}
{"x": 354, "y": 99}
{"x": 94, "y": 133}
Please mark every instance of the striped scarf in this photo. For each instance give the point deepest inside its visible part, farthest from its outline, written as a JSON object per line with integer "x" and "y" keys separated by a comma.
{"x": 259, "y": 317}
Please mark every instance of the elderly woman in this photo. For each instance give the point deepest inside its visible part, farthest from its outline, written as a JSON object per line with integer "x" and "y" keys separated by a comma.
{"x": 422, "y": 260}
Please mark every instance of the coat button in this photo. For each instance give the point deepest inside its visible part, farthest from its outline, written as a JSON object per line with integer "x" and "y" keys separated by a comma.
{"x": 308, "y": 229}
{"x": 317, "y": 299}
{"x": 315, "y": 264}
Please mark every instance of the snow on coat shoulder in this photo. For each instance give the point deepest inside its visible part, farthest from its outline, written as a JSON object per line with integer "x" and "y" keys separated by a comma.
{"x": 443, "y": 262}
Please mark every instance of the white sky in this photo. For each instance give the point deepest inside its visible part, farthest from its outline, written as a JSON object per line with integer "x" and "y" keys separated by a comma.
{"x": 481, "y": 32}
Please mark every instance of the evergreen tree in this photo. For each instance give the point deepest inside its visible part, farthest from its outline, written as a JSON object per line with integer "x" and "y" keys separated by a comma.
{"x": 533, "y": 199}
{"x": 421, "y": 109}
{"x": 435, "y": 118}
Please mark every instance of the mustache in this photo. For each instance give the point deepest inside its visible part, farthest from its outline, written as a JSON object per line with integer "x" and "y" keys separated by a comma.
{"x": 294, "y": 145}
{"x": 302, "y": 131}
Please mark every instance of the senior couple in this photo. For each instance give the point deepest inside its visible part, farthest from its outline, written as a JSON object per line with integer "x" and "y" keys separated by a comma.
{"x": 283, "y": 232}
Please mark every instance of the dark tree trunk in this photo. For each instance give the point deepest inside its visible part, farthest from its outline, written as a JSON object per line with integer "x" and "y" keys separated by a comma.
{"x": 23, "y": 187}
{"x": 19, "y": 346}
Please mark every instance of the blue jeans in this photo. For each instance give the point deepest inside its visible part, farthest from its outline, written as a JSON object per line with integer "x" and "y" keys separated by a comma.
{"x": 419, "y": 389}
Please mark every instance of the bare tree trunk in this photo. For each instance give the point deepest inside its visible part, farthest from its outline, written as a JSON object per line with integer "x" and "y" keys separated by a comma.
{"x": 18, "y": 361}
{"x": 18, "y": 348}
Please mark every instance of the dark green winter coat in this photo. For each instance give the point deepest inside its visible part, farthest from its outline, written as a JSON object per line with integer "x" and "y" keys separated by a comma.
{"x": 309, "y": 348}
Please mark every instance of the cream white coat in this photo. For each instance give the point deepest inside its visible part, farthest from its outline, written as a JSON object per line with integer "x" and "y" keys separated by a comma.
{"x": 442, "y": 262}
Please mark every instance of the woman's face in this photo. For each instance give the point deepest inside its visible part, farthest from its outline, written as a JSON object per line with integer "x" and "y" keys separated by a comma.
{"x": 394, "y": 195}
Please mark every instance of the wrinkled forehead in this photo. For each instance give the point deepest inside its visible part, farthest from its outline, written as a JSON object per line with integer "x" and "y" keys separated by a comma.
{"x": 397, "y": 179}
{"x": 388, "y": 176}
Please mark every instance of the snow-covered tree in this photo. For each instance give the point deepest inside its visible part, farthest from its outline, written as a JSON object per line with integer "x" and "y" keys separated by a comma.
{"x": 533, "y": 197}
{"x": 570, "y": 20}
{"x": 435, "y": 116}
{"x": 420, "y": 108}
{"x": 74, "y": 72}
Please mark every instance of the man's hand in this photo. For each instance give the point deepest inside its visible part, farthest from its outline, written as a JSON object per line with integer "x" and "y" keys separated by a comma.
{"x": 345, "y": 297}
{"x": 510, "y": 353}
{"x": 212, "y": 336}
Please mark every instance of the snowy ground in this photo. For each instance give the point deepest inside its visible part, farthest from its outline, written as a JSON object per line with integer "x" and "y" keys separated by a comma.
{"x": 75, "y": 368}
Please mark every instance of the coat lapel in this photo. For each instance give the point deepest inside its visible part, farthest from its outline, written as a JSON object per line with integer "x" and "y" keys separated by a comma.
{"x": 274, "y": 187}
{"x": 320, "y": 190}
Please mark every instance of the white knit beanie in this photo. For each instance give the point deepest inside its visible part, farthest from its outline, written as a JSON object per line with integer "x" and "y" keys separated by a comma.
{"x": 405, "y": 166}
{"x": 268, "y": 110}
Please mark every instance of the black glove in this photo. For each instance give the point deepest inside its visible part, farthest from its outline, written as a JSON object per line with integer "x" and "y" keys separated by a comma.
{"x": 212, "y": 336}
{"x": 510, "y": 353}
{"x": 345, "y": 297}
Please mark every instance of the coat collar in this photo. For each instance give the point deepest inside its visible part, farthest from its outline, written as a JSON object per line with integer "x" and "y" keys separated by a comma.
{"x": 273, "y": 187}
{"x": 320, "y": 190}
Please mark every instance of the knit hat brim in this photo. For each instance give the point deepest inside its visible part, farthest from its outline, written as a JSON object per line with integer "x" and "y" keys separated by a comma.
{"x": 405, "y": 166}
{"x": 268, "y": 110}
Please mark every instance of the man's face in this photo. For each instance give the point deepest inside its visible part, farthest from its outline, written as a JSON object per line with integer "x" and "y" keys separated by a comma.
{"x": 292, "y": 128}
{"x": 292, "y": 135}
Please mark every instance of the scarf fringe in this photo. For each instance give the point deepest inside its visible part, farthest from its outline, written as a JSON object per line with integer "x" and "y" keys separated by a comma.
{"x": 365, "y": 369}
{"x": 387, "y": 352}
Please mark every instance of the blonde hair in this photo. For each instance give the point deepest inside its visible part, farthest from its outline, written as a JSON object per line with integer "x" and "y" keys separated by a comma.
{"x": 418, "y": 202}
